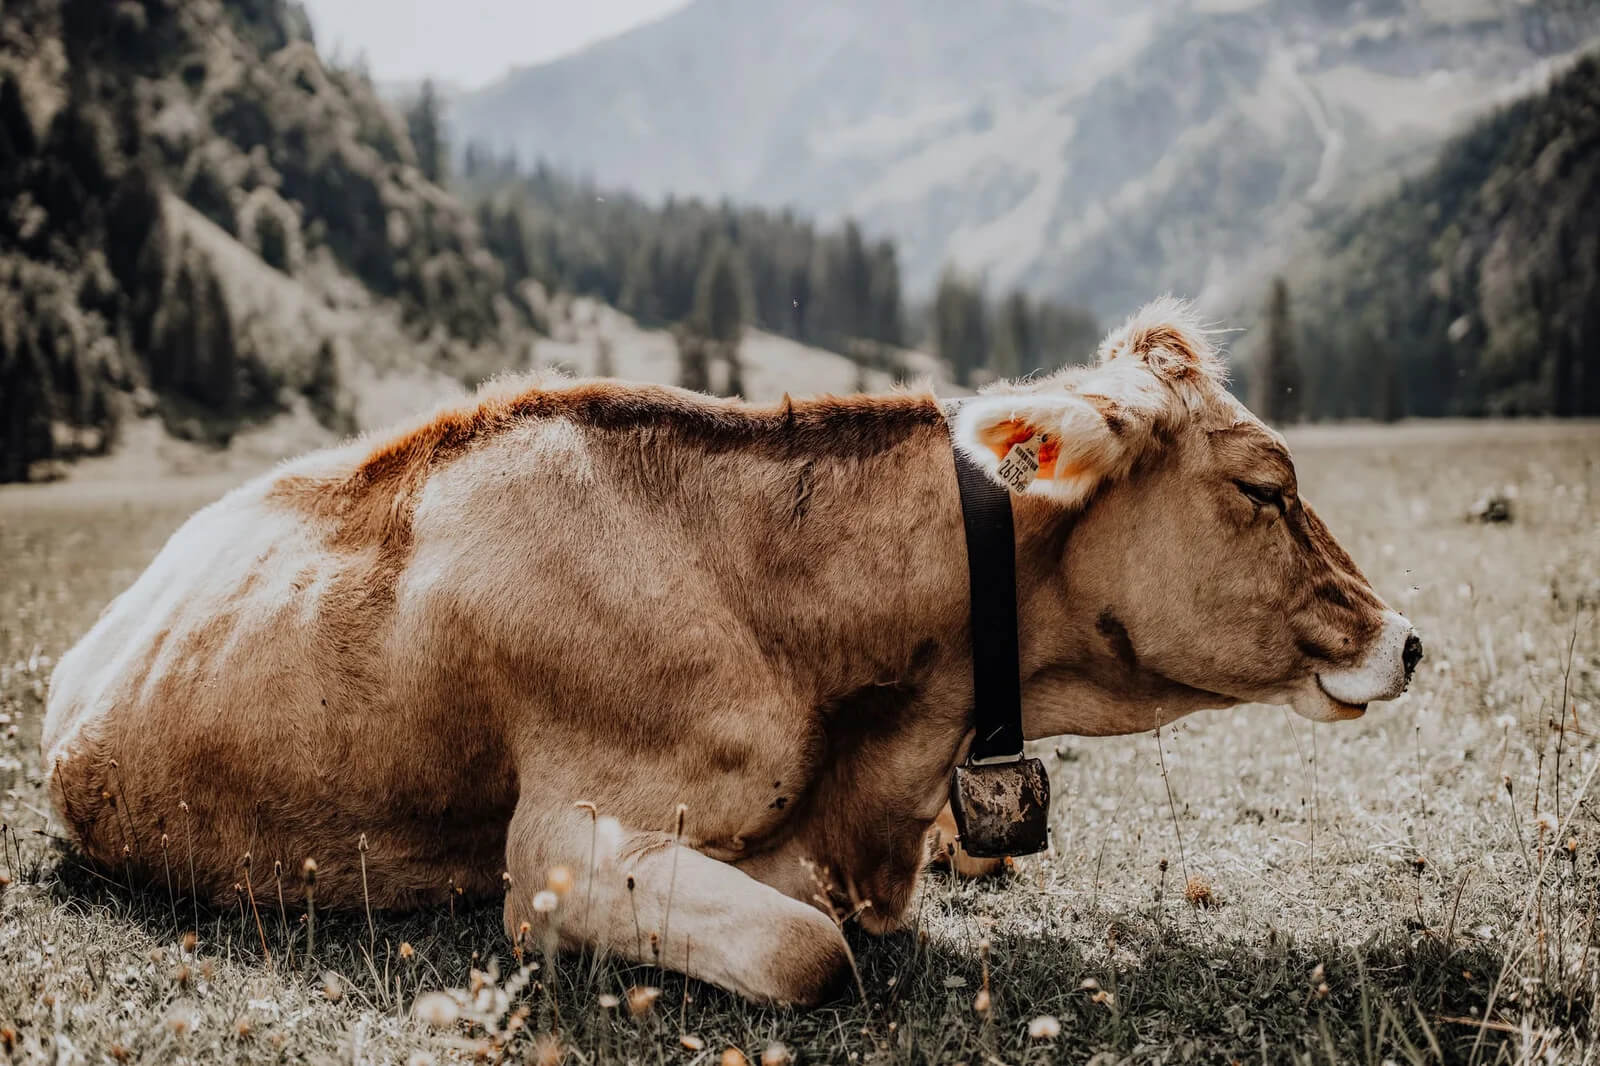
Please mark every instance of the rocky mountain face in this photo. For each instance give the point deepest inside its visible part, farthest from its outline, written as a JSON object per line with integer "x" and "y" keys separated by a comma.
{"x": 1092, "y": 151}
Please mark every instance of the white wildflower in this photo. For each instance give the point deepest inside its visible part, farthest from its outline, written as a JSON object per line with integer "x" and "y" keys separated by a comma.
{"x": 436, "y": 1009}
{"x": 1044, "y": 1027}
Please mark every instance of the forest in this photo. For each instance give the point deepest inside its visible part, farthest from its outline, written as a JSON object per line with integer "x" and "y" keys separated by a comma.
{"x": 833, "y": 288}
{"x": 1474, "y": 288}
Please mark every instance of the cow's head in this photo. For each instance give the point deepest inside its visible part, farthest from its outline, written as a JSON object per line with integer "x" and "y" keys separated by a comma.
{"x": 1165, "y": 536}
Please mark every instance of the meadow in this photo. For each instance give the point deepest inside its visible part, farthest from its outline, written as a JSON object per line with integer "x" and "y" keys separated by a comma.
{"x": 1417, "y": 886}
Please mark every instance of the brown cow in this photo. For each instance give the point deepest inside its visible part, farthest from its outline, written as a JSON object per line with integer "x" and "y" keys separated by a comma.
{"x": 707, "y": 657}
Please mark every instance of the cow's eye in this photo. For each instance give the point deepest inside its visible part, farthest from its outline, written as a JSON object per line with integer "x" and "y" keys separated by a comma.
{"x": 1261, "y": 495}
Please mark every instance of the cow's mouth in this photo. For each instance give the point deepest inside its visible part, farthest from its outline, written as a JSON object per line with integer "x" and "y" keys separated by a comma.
{"x": 1352, "y": 709}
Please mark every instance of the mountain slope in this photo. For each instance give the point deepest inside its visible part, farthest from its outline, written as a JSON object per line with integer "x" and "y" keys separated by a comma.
{"x": 205, "y": 221}
{"x": 1470, "y": 289}
{"x": 1094, "y": 152}
{"x": 727, "y": 97}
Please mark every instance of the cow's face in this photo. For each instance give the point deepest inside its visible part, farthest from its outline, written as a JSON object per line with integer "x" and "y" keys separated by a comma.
{"x": 1185, "y": 537}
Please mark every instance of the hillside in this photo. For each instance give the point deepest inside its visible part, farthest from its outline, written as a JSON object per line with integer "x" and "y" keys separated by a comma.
{"x": 209, "y": 225}
{"x": 1093, "y": 152}
{"x": 1470, "y": 289}
{"x": 206, "y": 222}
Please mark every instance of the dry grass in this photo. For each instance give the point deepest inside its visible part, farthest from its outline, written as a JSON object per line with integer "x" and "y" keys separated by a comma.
{"x": 1417, "y": 886}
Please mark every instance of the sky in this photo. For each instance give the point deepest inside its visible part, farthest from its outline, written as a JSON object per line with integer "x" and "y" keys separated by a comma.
{"x": 468, "y": 43}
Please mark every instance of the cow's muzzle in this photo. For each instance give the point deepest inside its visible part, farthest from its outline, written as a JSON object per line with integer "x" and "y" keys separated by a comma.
{"x": 1384, "y": 669}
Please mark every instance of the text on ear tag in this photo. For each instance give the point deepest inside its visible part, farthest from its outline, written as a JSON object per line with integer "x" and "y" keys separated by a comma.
{"x": 1021, "y": 464}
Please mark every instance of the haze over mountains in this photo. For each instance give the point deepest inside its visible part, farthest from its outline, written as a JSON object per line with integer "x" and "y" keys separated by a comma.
{"x": 1089, "y": 150}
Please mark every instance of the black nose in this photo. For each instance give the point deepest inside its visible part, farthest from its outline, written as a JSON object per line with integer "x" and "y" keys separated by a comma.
{"x": 1411, "y": 655}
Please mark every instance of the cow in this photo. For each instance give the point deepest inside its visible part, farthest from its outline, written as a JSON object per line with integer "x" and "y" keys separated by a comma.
{"x": 682, "y": 678}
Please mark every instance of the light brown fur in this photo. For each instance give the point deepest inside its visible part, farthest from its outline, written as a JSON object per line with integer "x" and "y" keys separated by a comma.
{"x": 452, "y": 639}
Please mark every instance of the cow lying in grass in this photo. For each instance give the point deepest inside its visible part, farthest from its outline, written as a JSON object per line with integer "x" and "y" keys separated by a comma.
{"x": 711, "y": 659}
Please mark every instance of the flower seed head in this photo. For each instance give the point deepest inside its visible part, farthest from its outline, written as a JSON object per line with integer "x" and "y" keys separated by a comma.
{"x": 436, "y": 1009}
{"x": 559, "y": 880}
{"x": 641, "y": 998}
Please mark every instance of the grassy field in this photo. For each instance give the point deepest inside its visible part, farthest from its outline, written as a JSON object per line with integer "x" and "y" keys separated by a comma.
{"x": 1417, "y": 886}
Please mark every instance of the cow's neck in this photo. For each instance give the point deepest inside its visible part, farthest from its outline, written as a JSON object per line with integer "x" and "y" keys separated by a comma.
{"x": 1082, "y": 674}
{"x": 877, "y": 619}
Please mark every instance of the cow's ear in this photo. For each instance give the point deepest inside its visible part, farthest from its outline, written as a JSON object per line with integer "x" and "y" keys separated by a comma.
{"x": 1056, "y": 443}
{"x": 1170, "y": 338}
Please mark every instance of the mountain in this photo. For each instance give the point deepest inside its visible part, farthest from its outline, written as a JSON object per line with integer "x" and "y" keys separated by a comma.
{"x": 725, "y": 97}
{"x": 1092, "y": 151}
{"x": 1471, "y": 288}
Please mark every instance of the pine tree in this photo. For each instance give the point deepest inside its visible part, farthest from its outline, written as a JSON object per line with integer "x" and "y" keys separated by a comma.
{"x": 694, "y": 359}
{"x": 721, "y": 298}
{"x": 959, "y": 326}
{"x": 426, "y": 126}
{"x": 640, "y": 282}
{"x": 853, "y": 285}
{"x": 1013, "y": 353}
{"x": 721, "y": 307}
{"x": 887, "y": 315}
{"x": 1276, "y": 378}
{"x": 26, "y": 401}
{"x": 1061, "y": 335}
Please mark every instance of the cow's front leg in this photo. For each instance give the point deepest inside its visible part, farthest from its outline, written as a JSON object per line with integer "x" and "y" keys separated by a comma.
{"x": 640, "y": 895}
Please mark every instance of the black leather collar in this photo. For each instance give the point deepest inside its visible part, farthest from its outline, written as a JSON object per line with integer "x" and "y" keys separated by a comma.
{"x": 992, "y": 578}
{"x": 1000, "y": 798}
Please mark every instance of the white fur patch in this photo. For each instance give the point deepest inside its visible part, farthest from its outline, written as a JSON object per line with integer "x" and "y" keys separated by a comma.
{"x": 1380, "y": 674}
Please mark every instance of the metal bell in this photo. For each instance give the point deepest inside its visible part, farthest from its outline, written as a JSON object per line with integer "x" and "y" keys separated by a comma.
{"x": 1001, "y": 807}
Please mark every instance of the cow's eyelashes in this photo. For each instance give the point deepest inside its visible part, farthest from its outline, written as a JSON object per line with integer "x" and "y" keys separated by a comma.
{"x": 1261, "y": 495}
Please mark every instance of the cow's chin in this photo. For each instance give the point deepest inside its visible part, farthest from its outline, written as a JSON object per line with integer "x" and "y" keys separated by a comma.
{"x": 1312, "y": 701}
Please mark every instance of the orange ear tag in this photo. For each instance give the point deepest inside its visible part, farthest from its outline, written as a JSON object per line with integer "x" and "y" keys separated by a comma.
{"x": 1021, "y": 464}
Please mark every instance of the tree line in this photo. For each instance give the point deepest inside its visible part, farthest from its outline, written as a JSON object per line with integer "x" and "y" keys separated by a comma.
{"x": 834, "y": 288}
{"x": 828, "y": 287}
{"x": 1011, "y": 337}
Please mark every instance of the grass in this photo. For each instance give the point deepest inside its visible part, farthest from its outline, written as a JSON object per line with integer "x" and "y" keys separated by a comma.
{"x": 1417, "y": 886}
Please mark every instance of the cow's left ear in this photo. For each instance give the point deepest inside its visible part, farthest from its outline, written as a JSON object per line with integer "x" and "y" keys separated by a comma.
{"x": 1058, "y": 443}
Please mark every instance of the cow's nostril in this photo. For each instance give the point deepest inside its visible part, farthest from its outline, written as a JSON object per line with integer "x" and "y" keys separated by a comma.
{"x": 1411, "y": 655}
